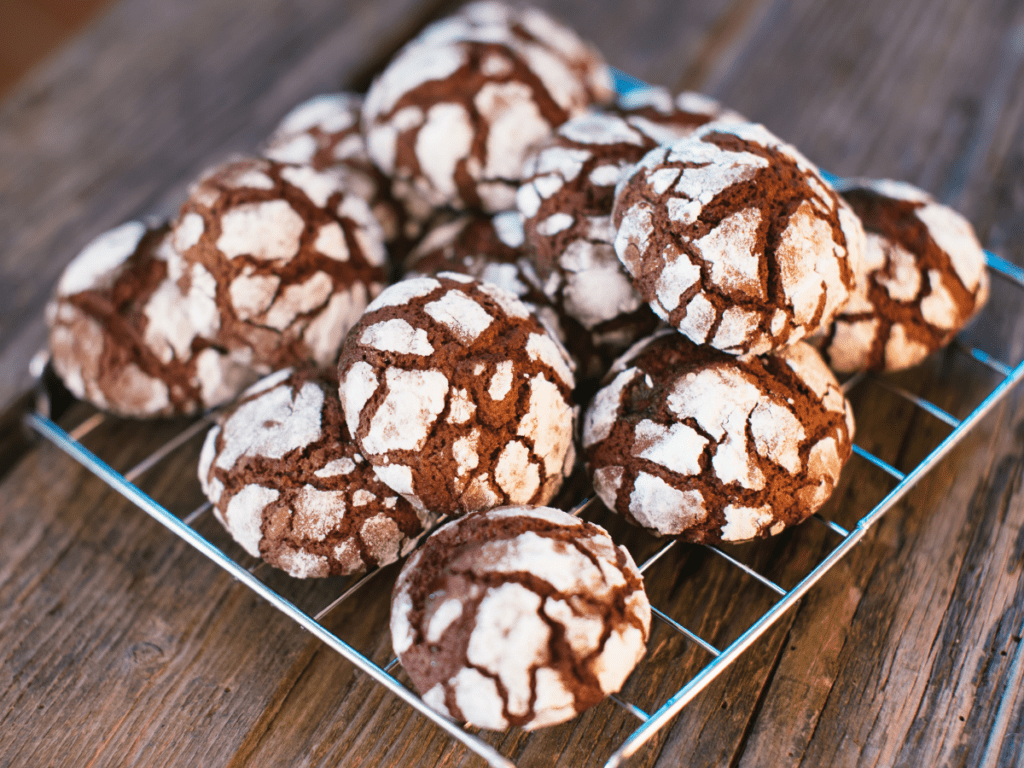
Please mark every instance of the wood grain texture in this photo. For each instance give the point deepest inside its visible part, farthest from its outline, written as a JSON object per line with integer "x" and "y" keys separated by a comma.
{"x": 121, "y": 647}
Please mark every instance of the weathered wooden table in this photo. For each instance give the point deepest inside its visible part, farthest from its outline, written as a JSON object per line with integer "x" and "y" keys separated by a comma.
{"x": 121, "y": 646}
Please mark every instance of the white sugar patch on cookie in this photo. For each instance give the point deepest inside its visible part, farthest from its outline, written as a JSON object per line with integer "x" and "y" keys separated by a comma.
{"x": 676, "y": 447}
{"x": 299, "y": 299}
{"x": 510, "y": 637}
{"x": 404, "y": 420}
{"x": 397, "y": 335}
{"x": 403, "y": 292}
{"x": 743, "y": 523}
{"x": 252, "y": 294}
{"x": 478, "y": 694}
{"x": 777, "y": 434}
{"x": 720, "y": 400}
{"x": 552, "y": 225}
{"x": 598, "y": 128}
{"x": 508, "y": 302}
{"x": 939, "y": 308}
{"x": 94, "y": 267}
{"x": 954, "y": 235}
{"x": 328, "y": 327}
{"x": 464, "y": 451}
{"x": 463, "y": 316}
{"x": 446, "y": 614}
{"x": 548, "y": 423}
{"x": 244, "y": 515}
{"x": 805, "y": 233}
{"x": 268, "y": 231}
{"x": 188, "y": 231}
{"x": 317, "y": 512}
{"x": 357, "y": 388}
{"x": 336, "y": 467}
{"x": 565, "y": 568}
{"x": 382, "y": 538}
{"x": 663, "y": 507}
{"x": 545, "y": 349}
{"x": 461, "y": 406}
{"x": 515, "y": 474}
{"x": 604, "y": 408}
{"x": 903, "y": 283}
{"x": 445, "y": 139}
{"x": 515, "y": 123}
{"x": 501, "y": 381}
{"x": 330, "y": 241}
{"x": 730, "y": 248}
{"x": 272, "y": 425}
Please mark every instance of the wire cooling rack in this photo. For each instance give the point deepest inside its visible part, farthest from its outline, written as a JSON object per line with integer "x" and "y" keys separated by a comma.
{"x": 718, "y": 659}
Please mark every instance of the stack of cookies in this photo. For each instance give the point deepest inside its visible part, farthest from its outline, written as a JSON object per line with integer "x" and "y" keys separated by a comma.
{"x": 405, "y": 302}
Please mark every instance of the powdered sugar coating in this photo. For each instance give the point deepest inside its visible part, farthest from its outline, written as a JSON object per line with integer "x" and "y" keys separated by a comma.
{"x": 709, "y": 218}
{"x": 566, "y": 200}
{"x": 293, "y": 257}
{"x": 490, "y": 249}
{"x": 133, "y": 328}
{"x": 324, "y": 133}
{"x": 289, "y": 485}
{"x": 691, "y": 442}
{"x": 923, "y": 279}
{"x": 519, "y": 616}
{"x": 474, "y": 410}
{"x": 451, "y": 116}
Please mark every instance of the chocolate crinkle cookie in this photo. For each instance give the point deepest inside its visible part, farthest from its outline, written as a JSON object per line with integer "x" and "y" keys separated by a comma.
{"x": 458, "y": 395}
{"x": 324, "y": 132}
{"x": 691, "y": 442}
{"x": 290, "y": 257}
{"x": 131, "y": 336}
{"x": 923, "y": 278}
{"x": 289, "y": 485}
{"x": 735, "y": 239}
{"x": 451, "y": 116}
{"x": 566, "y": 200}
{"x": 520, "y": 616}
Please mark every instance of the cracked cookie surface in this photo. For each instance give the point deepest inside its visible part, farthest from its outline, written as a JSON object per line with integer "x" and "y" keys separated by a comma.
{"x": 691, "y": 442}
{"x": 288, "y": 256}
{"x": 288, "y": 483}
{"x": 736, "y": 240}
{"x": 451, "y": 116}
{"x": 127, "y": 337}
{"x": 519, "y": 616}
{"x": 922, "y": 279}
{"x": 458, "y": 395}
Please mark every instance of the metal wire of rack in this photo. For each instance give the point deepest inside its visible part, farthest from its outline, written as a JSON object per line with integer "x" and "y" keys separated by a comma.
{"x": 720, "y": 658}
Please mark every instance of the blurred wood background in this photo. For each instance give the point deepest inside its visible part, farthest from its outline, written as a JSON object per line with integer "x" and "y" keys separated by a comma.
{"x": 31, "y": 29}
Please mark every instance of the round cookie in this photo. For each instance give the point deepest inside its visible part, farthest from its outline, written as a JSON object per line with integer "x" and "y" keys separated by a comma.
{"x": 519, "y": 616}
{"x": 451, "y": 116}
{"x": 458, "y": 396}
{"x": 324, "y": 132}
{"x": 734, "y": 238}
{"x": 293, "y": 257}
{"x": 923, "y": 278}
{"x": 691, "y": 442}
{"x": 127, "y": 337}
{"x": 289, "y": 485}
{"x": 566, "y": 200}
